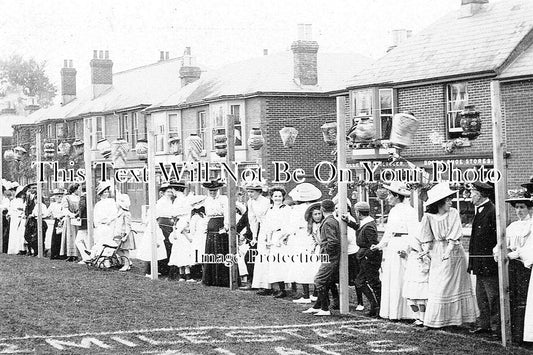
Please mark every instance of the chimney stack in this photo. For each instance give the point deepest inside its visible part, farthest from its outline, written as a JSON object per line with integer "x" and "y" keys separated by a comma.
{"x": 189, "y": 72}
{"x": 398, "y": 37}
{"x": 305, "y": 56}
{"x": 265, "y": 51}
{"x": 471, "y": 7}
{"x": 68, "y": 82}
{"x": 161, "y": 56}
{"x": 101, "y": 72}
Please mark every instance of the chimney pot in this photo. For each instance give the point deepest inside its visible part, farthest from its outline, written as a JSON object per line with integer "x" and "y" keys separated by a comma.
{"x": 161, "y": 56}
{"x": 305, "y": 32}
{"x": 167, "y": 55}
{"x": 70, "y": 64}
{"x": 95, "y": 54}
{"x": 106, "y": 54}
{"x": 265, "y": 51}
{"x": 471, "y": 7}
{"x": 187, "y": 51}
{"x": 65, "y": 64}
{"x": 305, "y": 57}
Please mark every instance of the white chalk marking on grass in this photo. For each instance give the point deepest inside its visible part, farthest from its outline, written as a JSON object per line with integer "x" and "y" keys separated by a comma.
{"x": 288, "y": 351}
{"x": 246, "y": 336}
{"x": 200, "y": 337}
{"x": 124, "y": 342}
{"x": 13, "y": 349}
{"x": 388, "y": 346}
{"x": 293, "y": 332}
{"x": 224, "y": 351}
{"x": 321, "y": 347}
{"x": 85, "y": 343}
{"x": 171, "y": 329}
{"x": 159, "y": 342}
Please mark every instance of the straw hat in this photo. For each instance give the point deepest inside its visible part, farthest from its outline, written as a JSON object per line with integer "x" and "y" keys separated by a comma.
{"x": 123, "y": 200}
{"x": 196, "y": 200}
{"x": 213, "y": 184}
{"x": 305, "y": 192}
{"x": 56, "y": 192}
{"x": 439, "y": 192}
{"x": 102, "y": 186}
{"x": 399, "y": 188}
{"x": 254, "y": 185}
{"x": 519, "y": 196}
{"x": 482, "y": 186}
{"x": 309, "y": 210}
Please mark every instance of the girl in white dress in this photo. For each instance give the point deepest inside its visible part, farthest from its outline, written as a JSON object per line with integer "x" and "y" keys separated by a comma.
{"x": 17, "y": 222}
{"x": 415, "y": 287}
{"x": 144, "y": 245}
{"x": 182, "y": 250}
{"x": 401, "y": 224}
{"x": 198, "y": 228}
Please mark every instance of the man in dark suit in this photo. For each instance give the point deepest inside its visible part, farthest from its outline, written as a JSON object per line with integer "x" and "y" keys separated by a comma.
{"x": 481, "y": 262}
{"x": 330, "y": 244}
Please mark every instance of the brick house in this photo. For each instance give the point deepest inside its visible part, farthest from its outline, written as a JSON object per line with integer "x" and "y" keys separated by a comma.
{"x": 269, "y": 92}
{"x": 439, "y": 71}
{"x": 112, "y": 105}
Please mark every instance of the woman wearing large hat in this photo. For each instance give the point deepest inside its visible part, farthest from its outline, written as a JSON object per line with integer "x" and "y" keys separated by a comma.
{"x": 104, "y": 214}
{"x": 401, "y": 224}
{"x": 519, "y": 245}
{"x": 451, "y": 298}
{"x": 300, "y": 241}
{"x": 17, "y": 223}
{"x": 71, "y": 209}
{"x": 165, "y": 216}
{"x": 55, "y": 215}
{"x": 217, "y": 242}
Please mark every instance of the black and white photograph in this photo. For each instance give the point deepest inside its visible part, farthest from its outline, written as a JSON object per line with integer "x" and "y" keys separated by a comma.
{"x": 282, "y": 177}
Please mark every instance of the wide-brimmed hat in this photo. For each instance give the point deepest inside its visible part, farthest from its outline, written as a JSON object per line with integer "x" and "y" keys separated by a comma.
{"x": 439, "y": 192}
{"x": 19, "y": 190}
{"x": 305, "y": 192}
{"x": 56, "y": 192}
{"x": 102, "y": 186}
{"x": 399, "y": 188}
{"x": 196, "y": 200}
{"x": 123, "y": 200}
{"x": 482, "y": 186}
{"x": 519, "y": 196}
{"x": 254, "y": 185}
{"x": 177, "y": 184}
{"x": 165, "y": 186}
{"x": 309, "y": 210}
{"x": 213, "y": 184}
{"x": 529, "y": 185}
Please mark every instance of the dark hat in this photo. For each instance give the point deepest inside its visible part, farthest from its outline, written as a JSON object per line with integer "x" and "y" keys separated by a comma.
{"x": 328, "y": 205}
{"x": 165, "y": 186}
{"x": 213, "y": 184}
{"x": 529, "y": 185}
{"x": 310, "y": 209}
{"x": 482, "y": 186}
{"x": 177, "y": 184}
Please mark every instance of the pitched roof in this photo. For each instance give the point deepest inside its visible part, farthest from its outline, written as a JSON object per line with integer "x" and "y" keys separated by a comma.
{"x": 139, "y": 86}
{"x": 272, "y": 73}
{"x": 454, "y": 46}
{"x": 521, "y": 67}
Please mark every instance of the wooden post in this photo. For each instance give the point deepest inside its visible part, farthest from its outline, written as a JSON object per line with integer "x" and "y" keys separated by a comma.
{"x": 89, "y": 198}
{"x": 3, "y": 197}
{"x": 152, "y": 199}
{"x": 230, "y": 160}
{"x": 40, "y": 251}
{"x": 501, "y": 218}
{"x": 342, "y": 207}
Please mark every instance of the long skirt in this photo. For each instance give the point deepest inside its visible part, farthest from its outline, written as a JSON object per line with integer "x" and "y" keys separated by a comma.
{"x": 166, "y": 225}
{"x": 55, "y": 242}
{"x": 17, "y": 226}
{"x": 261, "y": 268}
{"x": 519, "y": 277}
{"x": 68, "y": 238}
{"x": 451, "y": 299}
{"x": 528, "y": 323}
{"x": 393, "y": 305}
{"x": 5, "y": 232}
{"x": 216, "y": 274}
{"x": 302, "y": 266}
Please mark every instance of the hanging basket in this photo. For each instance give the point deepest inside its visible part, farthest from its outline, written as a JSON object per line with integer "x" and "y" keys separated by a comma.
{"x": 142, "y": 149}
{"x": 404, "y": 127}
{"x": 221, "y": 145}
{"x": 119, "y": 150}
{"x": 288, "y": 136}
{"x": 63, "y": 149}
{"x": 104, "y": 147}
{"x": 470, "y": 122}
{"x": 363, "y": 131}
{"x": 174, "y": 145}
{"x": 329, "y": 131}
{"x": 193, "y": 147}
{"x": 77, "y": 148}
{"x": 49, "y": 150}
{"x": 19, "y": 153}
{"x": 9, "y": 155}
{"x": 256, "y": 140}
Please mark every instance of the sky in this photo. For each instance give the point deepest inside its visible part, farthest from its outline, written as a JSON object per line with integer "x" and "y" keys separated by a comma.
{"x": 219, "y": 32}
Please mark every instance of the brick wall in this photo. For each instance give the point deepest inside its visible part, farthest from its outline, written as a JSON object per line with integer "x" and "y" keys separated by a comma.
{"x": 101, "y": 71}
{"x": 310, "y": 147}
{"x": 428, "y": 104}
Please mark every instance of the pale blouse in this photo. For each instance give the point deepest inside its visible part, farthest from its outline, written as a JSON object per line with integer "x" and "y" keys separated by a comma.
{"x": 441, "y": 227}
{"x": 104, "y": 211}
{"x": 164, "y": 208}
{"x": 16, "y": 208}
{"x": 275, "y": 223}
{"x": 181, "y": 205}
{"x": 70, "y": 205}
{"x": 55, "y": 210}
{"x": 257, "y": 210}
{"x": 402, "y": 219}
{"x": 216, "y": 207}
{"x": 517, "y": 233}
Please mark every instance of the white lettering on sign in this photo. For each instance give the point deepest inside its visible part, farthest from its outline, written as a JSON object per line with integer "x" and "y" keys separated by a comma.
{"x": 85, "y": 343}
{"x": 224, "y": 351}
{"x": 292, "y": 332}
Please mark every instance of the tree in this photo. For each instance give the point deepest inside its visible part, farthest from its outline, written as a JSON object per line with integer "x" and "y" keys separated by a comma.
{"x": 30, "y": 76}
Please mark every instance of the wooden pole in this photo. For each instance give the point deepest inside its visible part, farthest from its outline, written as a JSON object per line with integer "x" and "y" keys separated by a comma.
{"x": 40, "y": 251}
{"x": 230, "y": 160}
{"x": 152, "y": 198}
{"x": 89, "y": 188}
{"x": 501, "y": 218}
{"x": 3, "y": 197}
{"x": 342, "y": 207}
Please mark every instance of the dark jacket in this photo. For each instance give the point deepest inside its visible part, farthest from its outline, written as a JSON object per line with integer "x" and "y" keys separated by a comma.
{"x": 482, "y": 241}
{"x": 82, "y": 212}
{"x": 330, "y": 234}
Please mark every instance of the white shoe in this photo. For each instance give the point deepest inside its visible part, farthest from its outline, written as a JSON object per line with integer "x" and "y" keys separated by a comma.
{"x": 181, "y": 280}
{"x": 323, "y": 313}
{"x": 125, "y": 268}
{"x": 312, "y": 310}
{"x": 83, "y": 262}
{"x": 360, "y": 307}
{"x": 302, "y": 300}
{"x": 191, "y": 280}
{"x": 418, "y": 323}
{"x": 147, "y": 275}
{"x": 313, "y": 298}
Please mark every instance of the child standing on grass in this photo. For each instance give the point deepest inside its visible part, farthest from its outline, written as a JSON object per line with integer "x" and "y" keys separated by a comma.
{"x": 198, "y": 228}
{"x": 181, "y": 256}
{"x": 415, "y": 287}
{"x": 144, "y": 247}
{"x": 122, "y": 232}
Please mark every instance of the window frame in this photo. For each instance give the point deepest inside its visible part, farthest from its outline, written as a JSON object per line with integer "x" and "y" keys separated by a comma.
{"x": 386, "y": 116}
{"x": 457, "y": 130}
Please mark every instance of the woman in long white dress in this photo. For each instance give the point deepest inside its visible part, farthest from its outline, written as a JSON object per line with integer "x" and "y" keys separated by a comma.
{"x": 451, "y": 298}
{"x": 104, "y": 215}
{"x": 17, "y": 222}
{"x": 401, "y": 224}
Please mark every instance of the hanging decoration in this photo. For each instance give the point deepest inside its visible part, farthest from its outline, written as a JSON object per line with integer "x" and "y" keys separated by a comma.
{"x": 77, "y": 148}
{"x": 63, "y": 148}
{"x": 33, "y": 150}
{"x": 193, "y": 147}
{"x": 104, "y": 147}
{"x": 329, "y": 131}
{"x": 119, "y": 150}
{"x": 256, "y": 140}
{"x": 288, "y": 136}
{"x": 221, "y": 146}
{"x": 9, "y": 155}
{"x": 470, "y": 122}
{"x": 362, "y": 131}
{"x": 49, "y": 149}
{"x": 174, "y": 145}
{"x": 19, "y": 153}
{"x": 142, "y": 149}
{"x": 404, "y": 127}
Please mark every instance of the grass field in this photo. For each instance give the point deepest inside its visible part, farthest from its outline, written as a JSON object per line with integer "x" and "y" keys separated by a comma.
{"x": 50, "y": 306}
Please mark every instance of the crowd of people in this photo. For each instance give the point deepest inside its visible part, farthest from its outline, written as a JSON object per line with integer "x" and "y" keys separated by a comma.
{"x": 417, "y": 270}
